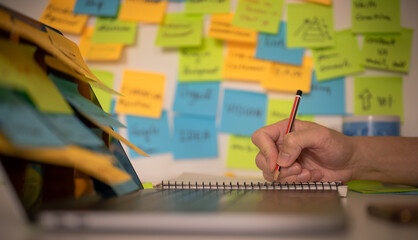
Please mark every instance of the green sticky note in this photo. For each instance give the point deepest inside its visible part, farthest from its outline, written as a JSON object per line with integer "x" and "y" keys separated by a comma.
{"x": 279, "y": 109}
{"x": 378, "y": 96}
{"x": 180, "y": 30}
{"x": 207, "y": 6}
{"x": 310, "y": 25}
{"x": 241, "y": 153}
{"x": 260, "y": 15}
{"x": 147, "y": 186}
{"x": 202, "y": 63}
{"x": 104, "y": 97}
{"x": 377, "y": 16}
{"x": 342, "y": 59}
{"x": 388, "y": 51}
{"x": 368, "y": 186}
{"x": 113, "y": 30}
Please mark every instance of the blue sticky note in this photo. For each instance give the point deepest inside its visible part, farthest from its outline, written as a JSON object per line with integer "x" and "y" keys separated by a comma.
{"x": 243, "y": 112}
{"x": 70, "y": 92}
{"x": 73, "y": 130}
{"x": 22, "y": 125}
{"x": 194, "y": 137}
{"x": 197, "y": 98}
{"x": 272, "y": 47}
{"x": 325, "y": 98}
{"x": 149, "y": 134}
{"x": 108, "y": 8}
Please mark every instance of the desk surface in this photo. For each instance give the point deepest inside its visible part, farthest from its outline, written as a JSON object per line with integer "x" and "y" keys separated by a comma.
{"x": 361, "y": 224}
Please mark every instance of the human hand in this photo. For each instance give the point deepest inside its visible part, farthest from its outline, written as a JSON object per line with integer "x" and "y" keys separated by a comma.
{"x": 309, "y": 153}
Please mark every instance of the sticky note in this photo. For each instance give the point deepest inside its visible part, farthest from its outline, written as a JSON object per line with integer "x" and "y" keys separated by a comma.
{"x": 378, "y": 95}
{"x": 107, "y": 8}
{"x": 142, "y": 92}
{"x": 59, "y": 14}
{"x": 180, "y": 30}
{"x": 240, "y": 64}
{"x": 243, "y": 112}
{"x": 325, "y": 2}
{"x": 241, "y": 153}
{"x": 310, "y": 25}
{"x": 98, "y": 51}
{"x": 200, "y": 98}
{"x": 202, "y": 63}
{"x": 70, "y": 92}
{"x": 113, "y": 30}
{"x": 388, "y": 51}
{"x": 104, "y": 98}
{"x": 220, "y": 28}
{"x": 22, "y": 125}
{"x": 150, "y": 134}
{"x": 143, "y": 11}
{"x": 280, "y": 109}
{"x": 289, "y": 78}
{"x": 378, "y": 16}
{"x": 343, "y": 59}
{"x": 19, "y": 71}
{"x": 273, "y": 47}
{"x": 325, "y": 98}
{"x": 207, "y": 6}
{"x": 72, "y": 130}
{"x": 194, "y": 138}
{"x": 261, "y": 15}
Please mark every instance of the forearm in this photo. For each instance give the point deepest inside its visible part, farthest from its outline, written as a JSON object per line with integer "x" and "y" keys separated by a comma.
{"x": 386, "y": 159}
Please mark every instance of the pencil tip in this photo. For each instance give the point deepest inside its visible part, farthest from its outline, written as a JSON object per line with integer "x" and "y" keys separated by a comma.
{"x": 299, "y": 92}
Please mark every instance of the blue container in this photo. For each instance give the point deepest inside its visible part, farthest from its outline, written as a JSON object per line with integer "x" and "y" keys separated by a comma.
{"x": 371, "y": 125}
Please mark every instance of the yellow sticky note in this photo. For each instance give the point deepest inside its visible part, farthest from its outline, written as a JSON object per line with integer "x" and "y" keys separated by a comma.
{"x": 59, "y": 14}
{"x": 143, "y": 11}
{"x": 98, "y": 51}
{"x": 220, "y": 28}
{"x": 241, "y": 153}
{"x": 147, "y": 185}
{"x": 325, "y": 2}
{"x": 289, "y": 78}
{"x": 142, "y": 94}
{"x": 19, "y": 70}
{"x": 240, "y": 63}
{"x": 58, "y": 65}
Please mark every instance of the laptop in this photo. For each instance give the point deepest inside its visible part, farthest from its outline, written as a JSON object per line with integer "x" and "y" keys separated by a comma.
{"x": 198, "y": 208}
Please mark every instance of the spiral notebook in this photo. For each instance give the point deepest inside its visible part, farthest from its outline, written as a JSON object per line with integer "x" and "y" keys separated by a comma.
{"x": 211, "y": 206}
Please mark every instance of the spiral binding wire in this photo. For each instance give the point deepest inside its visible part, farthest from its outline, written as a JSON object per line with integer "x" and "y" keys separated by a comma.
{"x": 321, "y": 186}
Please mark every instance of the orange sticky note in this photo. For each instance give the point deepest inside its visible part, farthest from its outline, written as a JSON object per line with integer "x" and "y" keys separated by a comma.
{"x": 220, "y": 28}
{"x": 324, "y": 2}
{"x": 240, "y": 64}
{"x": 143, "y": 11}
{"x": 59, "y": 14}
{"x": 142, "y": 94}
{"x": 98, "y": 52}
{"x": 290, "y": 78}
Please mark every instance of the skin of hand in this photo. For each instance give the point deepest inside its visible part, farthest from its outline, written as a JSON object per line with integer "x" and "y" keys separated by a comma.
{"x": 310, "y": 152}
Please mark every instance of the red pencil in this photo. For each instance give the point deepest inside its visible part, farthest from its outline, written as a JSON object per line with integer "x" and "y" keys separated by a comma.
{"x": 290, "y": 125}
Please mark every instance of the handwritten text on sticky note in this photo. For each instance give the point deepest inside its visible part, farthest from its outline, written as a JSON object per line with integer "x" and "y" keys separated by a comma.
{"x": 241, "y": 153}
{"x": 220, "y": 28}
{"x": 113, "y": 30}
{"x": 260, "y": 15}
{"x": 377, "y": 16}
{"x": 107, "y": 8}
{"x": 387, "y": 51}
{"x": 378, "y": 95}
{"x": 202, "y": 63}
{"x": 98, "y": 51}
{"x": 143, "y": 11}
{"x": 342, "y": 59}
{"x": 207, "y": 6}
{"x": 59, "y": 14}
{"x": 243, "y": 112}
{"x": 142, "y": 94}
